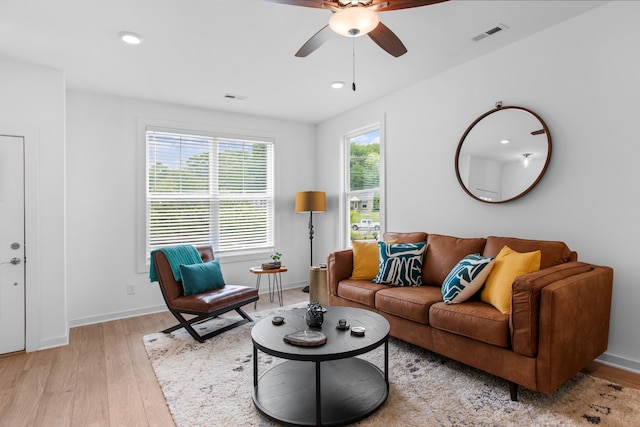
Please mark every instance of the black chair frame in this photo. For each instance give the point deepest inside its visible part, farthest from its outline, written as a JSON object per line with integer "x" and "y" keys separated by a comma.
{"x": 200, "y": 318}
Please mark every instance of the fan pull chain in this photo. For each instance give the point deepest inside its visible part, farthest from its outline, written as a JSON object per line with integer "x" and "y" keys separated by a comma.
{"x": 353, "y": 84}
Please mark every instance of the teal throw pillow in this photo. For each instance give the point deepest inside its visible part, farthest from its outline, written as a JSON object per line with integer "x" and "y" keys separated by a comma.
{"x": 400, "y": 264}
{"x": 197, "y": 278}
{"x": 466, "y": 278}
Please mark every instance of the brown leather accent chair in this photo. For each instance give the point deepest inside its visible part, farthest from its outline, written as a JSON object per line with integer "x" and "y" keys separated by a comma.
{"x": 202, "y": 306}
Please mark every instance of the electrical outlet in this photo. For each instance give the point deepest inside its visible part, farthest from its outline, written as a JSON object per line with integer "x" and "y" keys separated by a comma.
{"x": 131, "y": 288}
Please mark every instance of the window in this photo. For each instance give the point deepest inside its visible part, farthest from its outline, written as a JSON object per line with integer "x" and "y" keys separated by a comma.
{"x": 362, "y": 192}
{"x": 204, "y": 189}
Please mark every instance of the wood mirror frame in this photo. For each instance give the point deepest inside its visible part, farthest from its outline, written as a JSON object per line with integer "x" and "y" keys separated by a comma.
{"x": 491, "y": 170}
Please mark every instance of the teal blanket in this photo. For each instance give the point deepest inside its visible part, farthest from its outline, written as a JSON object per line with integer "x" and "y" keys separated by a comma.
{"x": 176, "y": 255}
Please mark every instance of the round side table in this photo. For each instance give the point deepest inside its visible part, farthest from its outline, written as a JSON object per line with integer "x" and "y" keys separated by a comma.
{"x": 274, "y": 273}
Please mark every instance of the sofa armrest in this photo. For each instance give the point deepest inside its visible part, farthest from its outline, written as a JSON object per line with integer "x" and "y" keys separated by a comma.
{"x": 574, "y": 325}
{"x": 525, "y": 303}
{"x": 339, "y": 267}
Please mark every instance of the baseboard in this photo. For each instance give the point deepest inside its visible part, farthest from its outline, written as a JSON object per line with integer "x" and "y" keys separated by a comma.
{"x": 116, "y": 316}
{"x": 619, "y": 362}
{"x": 150, "y": 310}
{"x": 52, "y": 343}
{"x": 285, "y": 286}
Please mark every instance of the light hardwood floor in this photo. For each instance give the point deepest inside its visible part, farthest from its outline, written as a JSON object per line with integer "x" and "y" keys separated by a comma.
{"x": 103, "y": 377}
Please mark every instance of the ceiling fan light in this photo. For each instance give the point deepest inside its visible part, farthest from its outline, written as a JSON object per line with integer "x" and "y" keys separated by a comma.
{"x": 354, "y": 21}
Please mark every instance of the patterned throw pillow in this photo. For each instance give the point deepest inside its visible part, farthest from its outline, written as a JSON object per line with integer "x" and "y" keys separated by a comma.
{"x": 400, "y": 264}
{"x": 466, "y": 278}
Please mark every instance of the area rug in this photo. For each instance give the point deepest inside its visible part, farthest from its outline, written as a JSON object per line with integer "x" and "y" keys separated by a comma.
{"x": 211, "y": 384}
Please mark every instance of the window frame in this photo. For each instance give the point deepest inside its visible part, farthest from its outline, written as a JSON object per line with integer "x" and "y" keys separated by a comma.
{"x": 346, "y": 193}
{"x": 142, "y": 262}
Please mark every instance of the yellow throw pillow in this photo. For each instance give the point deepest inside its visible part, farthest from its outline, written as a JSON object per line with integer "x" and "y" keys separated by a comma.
{"x": 366, "y": 259}
{"x": 508, "y": 265}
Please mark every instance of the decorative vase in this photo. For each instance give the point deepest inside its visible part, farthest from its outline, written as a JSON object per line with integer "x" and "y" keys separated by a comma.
{"x": 314, "y": 315}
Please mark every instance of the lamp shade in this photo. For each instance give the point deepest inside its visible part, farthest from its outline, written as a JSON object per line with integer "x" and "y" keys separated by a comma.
{"x": 354, "y": 21}
{"x": 311, "y": 201}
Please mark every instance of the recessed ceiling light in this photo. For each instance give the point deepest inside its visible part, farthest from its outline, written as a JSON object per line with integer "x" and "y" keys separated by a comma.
{"x": 337, "y": 85}
{"x": 130, "y": 38}
{"x": 504, "y": 141}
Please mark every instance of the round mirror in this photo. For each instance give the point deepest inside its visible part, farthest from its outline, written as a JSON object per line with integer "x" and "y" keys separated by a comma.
{"x": 503, "y": 154}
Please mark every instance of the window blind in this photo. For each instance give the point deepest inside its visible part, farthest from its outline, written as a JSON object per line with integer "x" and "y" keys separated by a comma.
{"x": 204, "y": 189}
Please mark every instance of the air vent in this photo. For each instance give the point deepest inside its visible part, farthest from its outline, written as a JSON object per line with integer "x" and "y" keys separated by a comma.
{"x": 479, "y": 37}
{"x": 489, "y": 32}
{"x": 232, "y": 96}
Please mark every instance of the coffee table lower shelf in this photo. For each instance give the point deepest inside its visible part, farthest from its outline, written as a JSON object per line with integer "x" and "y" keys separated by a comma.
{"x": 350, "y": 390}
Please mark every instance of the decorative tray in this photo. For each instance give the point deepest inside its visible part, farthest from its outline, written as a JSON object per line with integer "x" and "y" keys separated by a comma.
{"x": 306, "y": 338}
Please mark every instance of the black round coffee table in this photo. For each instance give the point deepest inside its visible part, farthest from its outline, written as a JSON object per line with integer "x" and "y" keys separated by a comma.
{"x": 336, "y": 388}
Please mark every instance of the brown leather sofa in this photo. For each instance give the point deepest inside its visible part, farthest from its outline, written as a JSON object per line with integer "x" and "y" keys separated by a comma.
{"x": 559, "y": 320}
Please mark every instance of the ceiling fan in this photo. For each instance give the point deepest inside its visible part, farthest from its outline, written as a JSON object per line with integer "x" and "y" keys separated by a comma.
{"x": 354, "y": 18}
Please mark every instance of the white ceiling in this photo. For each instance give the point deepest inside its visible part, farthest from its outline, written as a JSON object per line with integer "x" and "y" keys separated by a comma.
{"x": 196, "y": 51}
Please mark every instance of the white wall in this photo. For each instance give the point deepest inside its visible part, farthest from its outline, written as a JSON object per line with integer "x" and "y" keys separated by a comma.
{"x": 582, "y": 78}
{"x": 105, "y": 192}
{"x": 518, "y": 178}
{"x": 32, "y": 104}
{"x": 485, "y": 178}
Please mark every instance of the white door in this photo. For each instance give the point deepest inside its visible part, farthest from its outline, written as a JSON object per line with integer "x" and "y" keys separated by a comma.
{"x": 12, "y": 271}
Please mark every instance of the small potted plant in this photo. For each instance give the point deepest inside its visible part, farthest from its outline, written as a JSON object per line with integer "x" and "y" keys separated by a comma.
{"x": 275, "y": 264}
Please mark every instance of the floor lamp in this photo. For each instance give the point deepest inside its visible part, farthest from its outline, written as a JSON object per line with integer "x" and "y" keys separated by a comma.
{"x": 311, "y": 201}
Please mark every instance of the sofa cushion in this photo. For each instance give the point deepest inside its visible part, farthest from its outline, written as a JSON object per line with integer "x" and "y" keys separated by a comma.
{"x": 552, "y": 253}
{"x": 400, "y": 264}
{"x": 443, "y": 253}
{"x": 409, "y": 302}
{"x": 361, "y": 291}
{"x": 508, "y": 265}
{"x": 473, "y": 319}
{"x": 415, "y": 237}
{"x": 466, "y": 278}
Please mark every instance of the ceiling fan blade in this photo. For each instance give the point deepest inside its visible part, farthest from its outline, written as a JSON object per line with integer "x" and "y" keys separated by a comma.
{"x": 305, "y": 3}
{"x": 384, "y": 4}
{"x": 404, "y": 4}
{"x": 386, "y": 39}
{"x": 378, "y": 6}
{"x": 317, "y": 40}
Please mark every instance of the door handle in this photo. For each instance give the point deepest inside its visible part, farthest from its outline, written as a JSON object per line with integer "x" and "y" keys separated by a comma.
{"x": 14, "y": 261}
